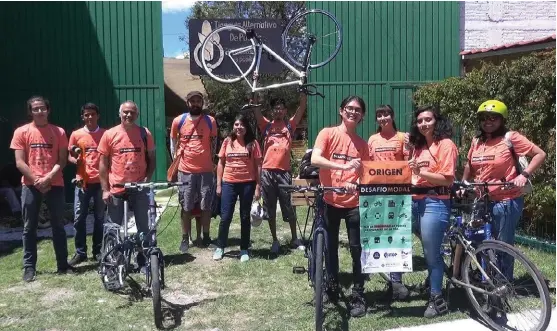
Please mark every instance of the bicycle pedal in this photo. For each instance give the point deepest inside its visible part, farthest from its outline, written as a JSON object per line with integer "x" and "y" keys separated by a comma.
{"x": 298, "y": 270}
{"x": 441, "y": 306}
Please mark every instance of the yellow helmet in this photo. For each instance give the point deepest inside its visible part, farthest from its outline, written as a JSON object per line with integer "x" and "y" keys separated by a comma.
{"x": 494, "y": 106}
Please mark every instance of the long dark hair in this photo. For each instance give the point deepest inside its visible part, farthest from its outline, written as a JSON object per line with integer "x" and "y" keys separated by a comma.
{"x": 500, "y": 132}
{"x": 249, "y": 137}
{"x": 442, "y": 130}
{"x": 386, "y": 109}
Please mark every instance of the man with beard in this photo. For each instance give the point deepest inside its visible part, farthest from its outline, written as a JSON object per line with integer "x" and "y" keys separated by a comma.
{"x": 277, "y": 137}
{"x": 191, "y": 140}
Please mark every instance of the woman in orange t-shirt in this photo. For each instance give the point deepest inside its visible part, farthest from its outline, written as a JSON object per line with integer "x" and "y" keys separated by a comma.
{"x": 491, "y": 160}
{"x": 433, "y": 166}
{"x": 388, "y": 144}
{"x": 238, "y": 174}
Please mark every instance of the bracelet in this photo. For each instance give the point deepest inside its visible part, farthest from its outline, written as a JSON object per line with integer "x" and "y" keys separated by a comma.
{"x": 525, "y": 174}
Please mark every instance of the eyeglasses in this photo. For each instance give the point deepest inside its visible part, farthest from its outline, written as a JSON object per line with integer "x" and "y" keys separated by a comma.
{"x": 39, "y": 110}
{"x": 491, "y": 118}
{"x": 354, "y": 110}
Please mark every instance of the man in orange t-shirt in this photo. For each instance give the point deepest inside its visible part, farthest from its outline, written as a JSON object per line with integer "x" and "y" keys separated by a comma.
{"x": 123, "y": 150}
{"x": 191, "y": 138}
{"x": 40, "y": 155}
{"x": 277, "y": 143}
{"x": 338, "y": 152}
{"x": 87, "y": 139}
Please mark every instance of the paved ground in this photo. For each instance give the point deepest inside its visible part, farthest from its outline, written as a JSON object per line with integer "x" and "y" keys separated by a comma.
{"x": 467, "y": 324}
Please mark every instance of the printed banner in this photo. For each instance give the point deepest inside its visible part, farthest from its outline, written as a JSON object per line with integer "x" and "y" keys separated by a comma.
{"x": 386, "y": 217}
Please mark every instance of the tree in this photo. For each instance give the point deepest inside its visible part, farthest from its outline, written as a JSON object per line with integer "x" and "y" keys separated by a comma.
{"x": 225, "y": 100}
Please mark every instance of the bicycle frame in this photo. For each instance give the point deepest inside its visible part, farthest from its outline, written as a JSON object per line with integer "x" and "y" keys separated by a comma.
{"x": 260, "y": 47}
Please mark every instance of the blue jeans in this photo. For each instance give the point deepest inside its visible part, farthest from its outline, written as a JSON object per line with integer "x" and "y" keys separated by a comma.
{"x": 31, "y": 200}
{"x": 229, "y": 195}
{"x": 81, "y": 209}
{"x": 506, "y": 215}
{"x": 430, "y": 217}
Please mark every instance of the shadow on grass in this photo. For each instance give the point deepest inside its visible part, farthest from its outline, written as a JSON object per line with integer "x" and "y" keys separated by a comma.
{"x": 178, "y": 259}
{"x": 173, "y": 312}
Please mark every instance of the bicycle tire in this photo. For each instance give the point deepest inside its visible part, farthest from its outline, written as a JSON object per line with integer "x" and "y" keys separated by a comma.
{"x": 300, "y": 17}
{"x": 156, "y": 290}
{"x": 318, "y": 281}
{"x": 209, "y": 71}
{"x": 109, "y": 242}
{"x": 519, "y": 257}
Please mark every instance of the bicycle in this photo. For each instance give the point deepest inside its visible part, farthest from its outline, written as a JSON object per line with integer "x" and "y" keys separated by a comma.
{"x": 120, "y": 248}
{"x": 297, "y": 43}
{"x": 317, "y": 251}
{"x": 482, "y": 270}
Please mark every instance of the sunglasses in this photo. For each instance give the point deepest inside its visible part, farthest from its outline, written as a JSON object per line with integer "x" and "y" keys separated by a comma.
{"x": 491, "y": 118}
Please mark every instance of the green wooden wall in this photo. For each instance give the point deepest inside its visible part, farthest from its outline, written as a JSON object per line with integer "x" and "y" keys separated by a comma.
{"x": 389, "y": 48}
{"x": 78, "y": 52}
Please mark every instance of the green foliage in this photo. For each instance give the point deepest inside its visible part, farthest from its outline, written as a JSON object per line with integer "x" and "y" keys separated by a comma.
{"x": 527, "y": 86}
{"x": 539, "y": 214}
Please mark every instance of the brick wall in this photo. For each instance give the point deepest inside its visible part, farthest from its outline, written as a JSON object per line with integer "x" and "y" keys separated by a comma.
{"x": 491, "y": 23}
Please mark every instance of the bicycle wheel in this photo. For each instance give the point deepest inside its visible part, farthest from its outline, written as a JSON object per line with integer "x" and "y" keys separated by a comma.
{"x": 318, "y": 283}
{"x": 111, "y": 260}
{"x": 513, "y": 298}
{"x": 238, "y": 59}
{"x": 312, "y": 23}
{"x": 156, "y": 289}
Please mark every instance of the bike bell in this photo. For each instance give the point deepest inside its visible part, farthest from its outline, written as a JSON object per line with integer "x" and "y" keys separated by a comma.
{"x": 257, "y": 213}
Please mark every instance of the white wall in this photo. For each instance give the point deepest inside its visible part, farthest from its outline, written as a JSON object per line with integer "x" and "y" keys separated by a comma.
{"x": 492, "y": 23}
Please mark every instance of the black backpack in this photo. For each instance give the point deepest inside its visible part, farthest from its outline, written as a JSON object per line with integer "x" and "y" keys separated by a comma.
{"x": 308, "y": 171}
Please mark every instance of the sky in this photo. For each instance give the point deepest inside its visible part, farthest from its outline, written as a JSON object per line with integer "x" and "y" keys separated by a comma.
{"x": 174, "y": 13}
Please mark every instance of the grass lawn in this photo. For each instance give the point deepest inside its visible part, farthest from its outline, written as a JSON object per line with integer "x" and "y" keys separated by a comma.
{"x": 201, "y": 294}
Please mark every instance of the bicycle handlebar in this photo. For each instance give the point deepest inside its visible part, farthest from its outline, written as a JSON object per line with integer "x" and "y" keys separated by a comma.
{"x": 302, "y": 189}
{"x": 139, "y": 186}
{"x": 467, "y": 185}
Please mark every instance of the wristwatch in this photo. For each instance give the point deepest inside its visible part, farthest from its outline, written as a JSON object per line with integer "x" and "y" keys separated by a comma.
{"x": 525, "y": 174}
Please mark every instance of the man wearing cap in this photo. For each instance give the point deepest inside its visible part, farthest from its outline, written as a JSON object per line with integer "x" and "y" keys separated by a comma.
{"x": 191, "y": 139}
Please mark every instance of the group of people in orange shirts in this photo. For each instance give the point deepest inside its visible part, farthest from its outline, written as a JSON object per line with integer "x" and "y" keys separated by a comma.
{"x": 247, "y": 171}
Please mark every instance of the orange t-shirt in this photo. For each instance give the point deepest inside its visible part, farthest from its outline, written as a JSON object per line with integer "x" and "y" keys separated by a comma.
{"x": 41, "y": 146}
{"x": 126, "y": 150}
{"x": 383, "y": 149}
{"x": 195, "y": 141}
{"x": 492, "y": 161}
{"x": 91, "y": 141}
{"x": 277, "y": 143}
{"x": 340, "y": 147}
{"x": 239, "y": 165}
{"x": 439, "y": 158}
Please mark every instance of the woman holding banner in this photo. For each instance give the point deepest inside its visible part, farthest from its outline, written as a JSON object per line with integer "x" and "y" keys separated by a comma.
{"x": 389, "y": 144}
{"x": 433, "y": 165}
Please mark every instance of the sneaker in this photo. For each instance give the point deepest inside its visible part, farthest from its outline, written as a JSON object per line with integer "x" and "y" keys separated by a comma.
{"x": 217, "y": 255}
{"x": 399, "y": 291}
{"x": 29, "y": 274}
{"x": 357, "y": 305}
{"x": 297, "y": 244}
{"x": 68, "y": 270}
{"x": 275, "y": 247}
{"x": 77, "y": 259}
{"x": 331, "y": 294}
{"x": 184, "y": 245}
{"x": 436, "y": 306}
{"x": 244, "y": 256}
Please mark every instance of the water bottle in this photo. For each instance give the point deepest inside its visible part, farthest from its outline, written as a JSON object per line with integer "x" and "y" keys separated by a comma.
{"x": 487, "y": 231}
